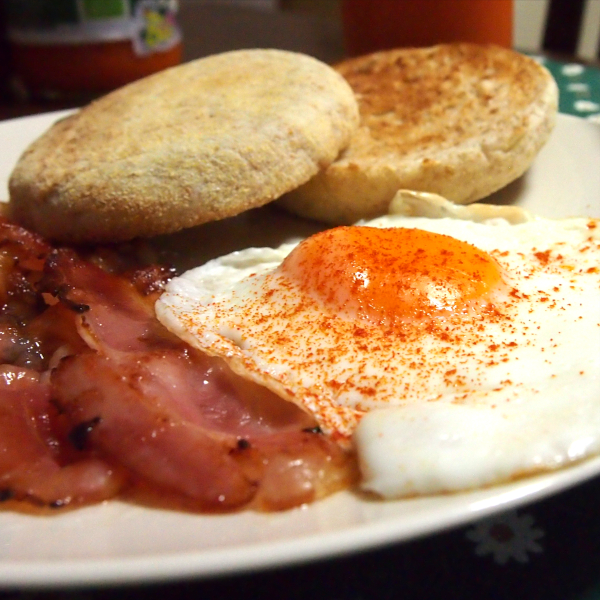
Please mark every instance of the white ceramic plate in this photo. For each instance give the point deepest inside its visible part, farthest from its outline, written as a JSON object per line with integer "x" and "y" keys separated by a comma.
{"x": 120, "y": 543}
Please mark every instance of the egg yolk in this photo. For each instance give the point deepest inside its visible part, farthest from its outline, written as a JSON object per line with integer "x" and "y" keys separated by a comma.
{"x": 393, "y": 276}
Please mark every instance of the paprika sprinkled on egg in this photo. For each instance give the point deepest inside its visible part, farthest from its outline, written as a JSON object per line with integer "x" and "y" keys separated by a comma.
{"x": 393, "y": 276}
{"x": 413, "y": 316}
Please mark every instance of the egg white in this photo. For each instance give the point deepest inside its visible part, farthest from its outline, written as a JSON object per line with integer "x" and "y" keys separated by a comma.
{"x": 451, "y": 415}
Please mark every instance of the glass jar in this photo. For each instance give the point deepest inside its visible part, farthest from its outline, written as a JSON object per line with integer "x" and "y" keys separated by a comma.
{"x": 65, "y": 49}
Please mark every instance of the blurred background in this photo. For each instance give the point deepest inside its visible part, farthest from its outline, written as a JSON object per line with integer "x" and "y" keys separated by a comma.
{"x": 326, "y": 29}
{"x": 315, "y": 26}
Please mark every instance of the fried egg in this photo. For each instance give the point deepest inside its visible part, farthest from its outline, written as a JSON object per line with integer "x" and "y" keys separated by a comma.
{"x": 450, "y": 351}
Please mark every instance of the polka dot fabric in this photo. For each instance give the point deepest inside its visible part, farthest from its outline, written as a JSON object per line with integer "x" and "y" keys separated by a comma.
{"x": 579, "y": 87}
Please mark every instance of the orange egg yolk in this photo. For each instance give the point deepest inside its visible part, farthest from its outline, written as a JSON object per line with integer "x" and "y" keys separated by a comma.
{"x": 393, "y": 276}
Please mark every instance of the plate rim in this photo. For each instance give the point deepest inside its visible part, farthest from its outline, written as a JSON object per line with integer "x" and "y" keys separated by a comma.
{"x": 268, "y": 555}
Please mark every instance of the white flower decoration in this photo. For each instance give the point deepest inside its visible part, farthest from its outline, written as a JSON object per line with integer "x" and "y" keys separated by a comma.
{"x": 506, "y": 536}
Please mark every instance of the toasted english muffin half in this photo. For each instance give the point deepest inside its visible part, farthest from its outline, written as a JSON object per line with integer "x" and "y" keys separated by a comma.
{"x": 195, "y": 143}
{"x": 458, "y": 120}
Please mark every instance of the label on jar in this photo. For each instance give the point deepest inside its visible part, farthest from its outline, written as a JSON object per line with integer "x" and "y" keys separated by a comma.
{"x": 151, "y": 25}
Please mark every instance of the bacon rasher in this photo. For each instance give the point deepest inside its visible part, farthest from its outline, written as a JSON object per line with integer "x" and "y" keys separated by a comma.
{"x": 99, "y": 400}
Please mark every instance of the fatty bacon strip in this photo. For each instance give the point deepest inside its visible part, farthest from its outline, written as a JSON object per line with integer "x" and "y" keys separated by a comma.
{"x": 98, "y": 399}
